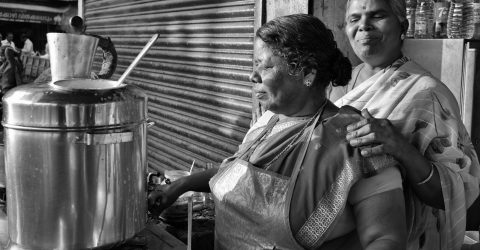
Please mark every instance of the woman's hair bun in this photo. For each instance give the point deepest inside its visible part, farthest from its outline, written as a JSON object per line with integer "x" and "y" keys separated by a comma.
{"x": 341, "y": 69}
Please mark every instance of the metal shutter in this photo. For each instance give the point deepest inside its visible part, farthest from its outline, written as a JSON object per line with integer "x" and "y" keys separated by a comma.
{"x": 196, "y": 74}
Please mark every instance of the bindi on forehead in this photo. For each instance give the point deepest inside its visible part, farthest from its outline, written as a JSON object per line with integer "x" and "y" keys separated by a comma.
{"x": 358, "y": 5}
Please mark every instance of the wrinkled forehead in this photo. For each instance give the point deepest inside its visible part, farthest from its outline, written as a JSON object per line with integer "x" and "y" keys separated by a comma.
{"x": 261, "y": 49}
{"x": 263, "y": 53}
{"x": 366, "y": 5}
{"x": 396, "y": 7}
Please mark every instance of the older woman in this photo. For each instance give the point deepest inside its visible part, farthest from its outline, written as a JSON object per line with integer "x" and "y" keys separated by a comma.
{"x": 420, "y": 125}
{"x": 295, "y": 183}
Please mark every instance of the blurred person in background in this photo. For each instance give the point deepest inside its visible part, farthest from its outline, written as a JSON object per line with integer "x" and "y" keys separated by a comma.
{"x": 10, "y": 69}
{"x": 46, "y": 52}
{"x": 9, "y": 41}
{"x": 27, "y": 45}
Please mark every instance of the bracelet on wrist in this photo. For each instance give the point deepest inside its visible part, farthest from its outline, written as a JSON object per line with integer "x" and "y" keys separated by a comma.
{"x": 429, "y": 176}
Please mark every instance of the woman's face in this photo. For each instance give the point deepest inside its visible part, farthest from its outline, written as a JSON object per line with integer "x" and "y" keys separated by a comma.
{"x": 373, "y": 31}
{"x": 274, "y": 88}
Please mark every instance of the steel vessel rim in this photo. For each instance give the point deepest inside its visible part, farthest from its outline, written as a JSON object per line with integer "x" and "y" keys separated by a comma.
{"x": 75, "y": 129}
{"x": 70, "y": 89}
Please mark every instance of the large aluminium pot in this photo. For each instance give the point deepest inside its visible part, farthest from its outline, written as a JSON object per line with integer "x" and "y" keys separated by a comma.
{"x": 75, "y": 164}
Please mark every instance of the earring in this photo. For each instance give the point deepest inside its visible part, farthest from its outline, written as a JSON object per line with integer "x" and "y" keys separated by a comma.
{"x": 402, "y": 36}
{"x": 308, "y": 83}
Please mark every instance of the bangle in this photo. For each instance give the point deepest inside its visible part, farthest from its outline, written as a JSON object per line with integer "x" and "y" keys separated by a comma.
{"x": 428, "y": 178}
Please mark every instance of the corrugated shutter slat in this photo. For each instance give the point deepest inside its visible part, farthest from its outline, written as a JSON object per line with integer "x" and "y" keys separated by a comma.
{"x": 196, "y": 74}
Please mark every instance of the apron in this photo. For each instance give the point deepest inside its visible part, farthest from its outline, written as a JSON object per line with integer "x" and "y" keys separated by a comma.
{"x": 252, "y": 205}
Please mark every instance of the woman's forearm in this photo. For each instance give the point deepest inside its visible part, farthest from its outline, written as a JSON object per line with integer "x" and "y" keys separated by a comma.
{"x": 197, "y": 182}
{"x": 418, "y": 170}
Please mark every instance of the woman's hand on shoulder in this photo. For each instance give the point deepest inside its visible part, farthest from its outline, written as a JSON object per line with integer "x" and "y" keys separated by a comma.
{"x": 375, "y": 136}
{"x": 378, "y": 136}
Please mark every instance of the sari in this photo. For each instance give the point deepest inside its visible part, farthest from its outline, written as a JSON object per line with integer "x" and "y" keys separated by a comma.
{"x": 424, "y": 110}
{"x": 291, "y": 185}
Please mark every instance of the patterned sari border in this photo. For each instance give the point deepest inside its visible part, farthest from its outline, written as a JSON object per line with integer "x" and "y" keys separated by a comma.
{"x": 319, "y": 224}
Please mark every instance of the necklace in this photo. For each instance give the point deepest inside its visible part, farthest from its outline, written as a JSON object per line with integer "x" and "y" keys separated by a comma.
{"x": 295, "y": 140}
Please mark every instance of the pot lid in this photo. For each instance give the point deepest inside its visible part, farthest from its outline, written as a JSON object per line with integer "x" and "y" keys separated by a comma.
{"x": 74, "y": 104}
{"x": 86, "y": 84}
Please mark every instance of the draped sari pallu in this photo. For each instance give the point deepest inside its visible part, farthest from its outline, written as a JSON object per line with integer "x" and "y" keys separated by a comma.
{"x": 255, "y": 207}
{"x": 424, "y": 110}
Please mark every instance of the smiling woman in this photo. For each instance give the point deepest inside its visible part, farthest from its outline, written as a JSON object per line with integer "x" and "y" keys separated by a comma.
{"x": 417, "y": 121}
{"x": 374, "y": 32}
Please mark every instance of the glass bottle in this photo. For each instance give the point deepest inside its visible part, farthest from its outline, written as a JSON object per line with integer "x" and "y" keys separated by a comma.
{"x": 424, "y": 19}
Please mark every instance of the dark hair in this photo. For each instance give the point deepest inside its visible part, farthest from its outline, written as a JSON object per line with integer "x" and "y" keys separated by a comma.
{"x": 306, "y": 43}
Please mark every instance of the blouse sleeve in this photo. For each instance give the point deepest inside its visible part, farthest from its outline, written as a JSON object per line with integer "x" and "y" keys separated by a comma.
{"x": 385, "y": 180}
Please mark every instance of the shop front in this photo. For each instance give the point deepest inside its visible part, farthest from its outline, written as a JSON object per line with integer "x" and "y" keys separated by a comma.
{"x": 35, "y": 19}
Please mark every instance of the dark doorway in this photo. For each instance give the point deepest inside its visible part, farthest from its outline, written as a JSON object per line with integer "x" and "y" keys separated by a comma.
{"x": 37, "y": 33}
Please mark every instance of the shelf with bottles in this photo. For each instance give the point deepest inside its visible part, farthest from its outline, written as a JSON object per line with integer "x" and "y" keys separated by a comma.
{"x": 454, "y": 19}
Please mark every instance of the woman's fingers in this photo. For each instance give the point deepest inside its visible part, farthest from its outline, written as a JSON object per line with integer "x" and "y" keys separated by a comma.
{"x": 368, "y": 119}
{"x": 359, "y": 132}
{"x": 366, "y": 114}
{"x": 156, "y": 202}
{"x": 372, "y": 151}
{"x": 374, "y": 136}
{"x": 363, "y": 140}
{"x": 357, "y": 125}
{"x": 153, "y": 196}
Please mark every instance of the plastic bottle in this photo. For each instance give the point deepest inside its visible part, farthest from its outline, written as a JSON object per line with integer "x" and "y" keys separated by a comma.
{"x": 468, "y": 19}
{"x": 441, "y": 17}
{"x": 411, "y": 6}
{"x": 476, "y": 18}
{"x": 455, "y": 19}
{"x": 424, "y": 20}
